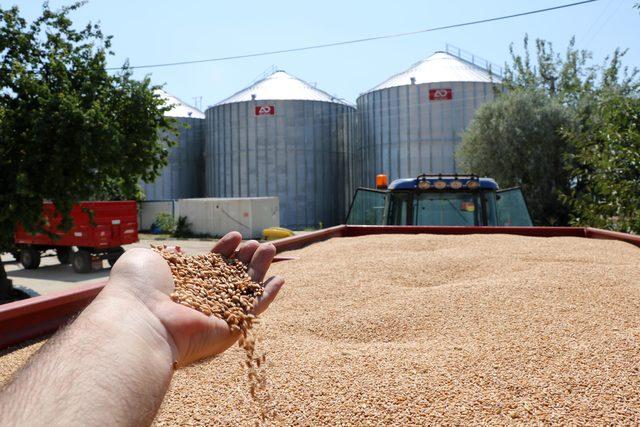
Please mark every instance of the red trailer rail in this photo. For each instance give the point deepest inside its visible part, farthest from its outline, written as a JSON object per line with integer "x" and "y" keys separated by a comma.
{"x": 99, "y": 231}
{"x": 23, "y": 320}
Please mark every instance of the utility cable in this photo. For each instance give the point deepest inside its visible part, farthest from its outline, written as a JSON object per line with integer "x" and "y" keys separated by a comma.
{"x": 362, "y": 40}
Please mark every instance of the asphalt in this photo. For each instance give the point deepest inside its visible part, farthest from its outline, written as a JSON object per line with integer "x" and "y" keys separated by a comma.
{"x": 52, "y": 277}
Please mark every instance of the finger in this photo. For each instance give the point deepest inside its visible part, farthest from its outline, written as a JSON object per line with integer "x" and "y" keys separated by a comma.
{"x": 247, "y": 250}
{"x": 271, "y": 289}
{"x": 228, "y": 244}
{"x": 261, "y": 261}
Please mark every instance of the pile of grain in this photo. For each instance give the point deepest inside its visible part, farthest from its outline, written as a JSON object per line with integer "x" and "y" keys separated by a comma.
{"x": 408, "y": 330}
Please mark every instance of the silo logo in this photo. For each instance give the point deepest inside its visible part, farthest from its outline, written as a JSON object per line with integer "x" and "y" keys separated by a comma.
{"x": 440, "y": 94}
{"x": 265, "y": 110}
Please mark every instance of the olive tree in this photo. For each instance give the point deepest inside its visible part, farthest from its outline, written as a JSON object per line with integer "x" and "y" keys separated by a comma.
{"x": 69, "y": 129}
{"x": 605, "y": 165}
{"x": 523, "y": 137}
{"x": 517, "y": 139}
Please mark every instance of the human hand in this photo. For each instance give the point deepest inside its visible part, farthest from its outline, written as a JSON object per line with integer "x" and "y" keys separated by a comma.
{"x": 145, "y": 275}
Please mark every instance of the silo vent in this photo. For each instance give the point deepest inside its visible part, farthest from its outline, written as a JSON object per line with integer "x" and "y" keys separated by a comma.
{"x": 253, "y": 96}
{"x": 413, "y": 80}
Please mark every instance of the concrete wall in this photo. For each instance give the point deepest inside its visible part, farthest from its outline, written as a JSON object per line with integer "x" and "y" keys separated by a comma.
{"x": 147, "y": 212}
{"x": 218, "y": 216}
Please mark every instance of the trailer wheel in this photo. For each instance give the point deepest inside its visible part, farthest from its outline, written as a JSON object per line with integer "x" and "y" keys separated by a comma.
{"x": 16, "y": 254}
{"x": 81, "y": 261}
{"x": 30, "y": 258}
{"x": 117, "y": 253}
{"x": 63, "y": 254}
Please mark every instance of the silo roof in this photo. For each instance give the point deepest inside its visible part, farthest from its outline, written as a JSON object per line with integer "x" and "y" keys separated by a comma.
{"x": 281, "y": 85}
{"x": 178, "y": 107}
{"x": 439, "y": 67}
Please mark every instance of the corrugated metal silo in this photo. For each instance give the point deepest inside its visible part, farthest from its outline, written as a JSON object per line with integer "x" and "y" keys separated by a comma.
{"x": 282, "y": 137}
{"x": 182, "y": 177}
{"x": 412, "y": 122}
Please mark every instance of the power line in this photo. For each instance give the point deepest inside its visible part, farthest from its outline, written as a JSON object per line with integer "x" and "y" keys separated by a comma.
{"x": 367, "y": 39}
{"x": 594, "y": 23}
{"x": 606, "y": 21}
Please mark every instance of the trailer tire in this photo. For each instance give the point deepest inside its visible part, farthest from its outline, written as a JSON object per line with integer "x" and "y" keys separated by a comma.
{"x": 63, "y": 254}
{"x": 16, "y": 255}
{"x": 117, "y": 253}
{"x": 81, "y": 261}
{"x": 30, "y": 258}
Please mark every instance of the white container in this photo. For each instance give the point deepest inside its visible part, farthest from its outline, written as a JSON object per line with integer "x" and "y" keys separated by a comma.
{"x": 218, "y": 216}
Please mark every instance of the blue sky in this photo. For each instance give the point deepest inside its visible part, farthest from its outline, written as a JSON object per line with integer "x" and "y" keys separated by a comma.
{"x": 165, "y": 31}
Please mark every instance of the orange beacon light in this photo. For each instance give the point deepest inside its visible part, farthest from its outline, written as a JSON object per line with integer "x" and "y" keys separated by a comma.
{"x": 382, "y": 181}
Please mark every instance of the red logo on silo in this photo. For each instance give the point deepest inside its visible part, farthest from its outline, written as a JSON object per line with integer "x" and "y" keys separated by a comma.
{"x": 265, "y": 110}
{"x": 440, "y": 94}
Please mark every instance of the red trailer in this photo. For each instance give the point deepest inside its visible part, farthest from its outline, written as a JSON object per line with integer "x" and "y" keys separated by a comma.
{"x": 99, "y": 231}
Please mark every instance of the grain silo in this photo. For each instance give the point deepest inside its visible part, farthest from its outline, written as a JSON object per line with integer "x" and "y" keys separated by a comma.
{"x": 282, "y": 137}
{"x": 182, "y": 177}
{"x": 412, "y": 122}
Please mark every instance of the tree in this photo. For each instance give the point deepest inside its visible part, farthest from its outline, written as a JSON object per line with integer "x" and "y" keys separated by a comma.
{"x": 517, "y": 140}
{"x": 69, "y": 130}
{"x": 557, "y": 76}
{"x": 605, "y": 166}
{"x": 531, "y": 89}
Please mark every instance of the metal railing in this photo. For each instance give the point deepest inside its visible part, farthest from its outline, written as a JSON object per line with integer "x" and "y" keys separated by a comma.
{"x": 476, "y": 60}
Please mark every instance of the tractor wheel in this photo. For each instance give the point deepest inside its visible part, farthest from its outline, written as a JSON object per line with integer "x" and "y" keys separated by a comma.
{"x": 30, "y": 258}
{"x": 81, "y": 261}
{"x": 117, "y": 253}
{"x": 63, "y": 254}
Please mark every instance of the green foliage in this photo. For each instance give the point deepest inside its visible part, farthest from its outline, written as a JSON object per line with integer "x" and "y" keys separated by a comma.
{"x": 535, "y": 133}
{"x": 605, "y": 165}
{"x": 517, "y": 140}
{"x": 571, "y": 76}
{"x": 69, "y": 130}
{"x": 183, "y": 228}
{"x": 165, "y": 222}
{"x": 566, "y": 76}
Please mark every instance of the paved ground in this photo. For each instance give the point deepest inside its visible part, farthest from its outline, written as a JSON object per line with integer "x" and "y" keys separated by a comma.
{"x": 51, "y": 276}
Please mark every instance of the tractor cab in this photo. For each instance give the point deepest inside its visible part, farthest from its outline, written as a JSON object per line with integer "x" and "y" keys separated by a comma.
{"x": 439, "y": 200}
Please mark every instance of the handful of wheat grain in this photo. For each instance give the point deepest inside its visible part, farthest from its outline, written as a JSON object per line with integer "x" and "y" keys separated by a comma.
{"x": 219, "y": 286}
{"x": 214, "y": 285}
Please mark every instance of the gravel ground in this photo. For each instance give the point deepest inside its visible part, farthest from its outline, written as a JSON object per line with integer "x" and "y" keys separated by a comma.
{"x": 414, "y": 330}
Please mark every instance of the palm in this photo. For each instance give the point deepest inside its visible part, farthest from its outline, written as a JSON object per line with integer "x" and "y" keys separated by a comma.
{"x": 197, "y": 335}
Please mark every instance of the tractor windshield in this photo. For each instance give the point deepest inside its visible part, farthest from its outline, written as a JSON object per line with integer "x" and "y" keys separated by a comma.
{"x": 439, "y": 206}
{"x": 447, "y": 208}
